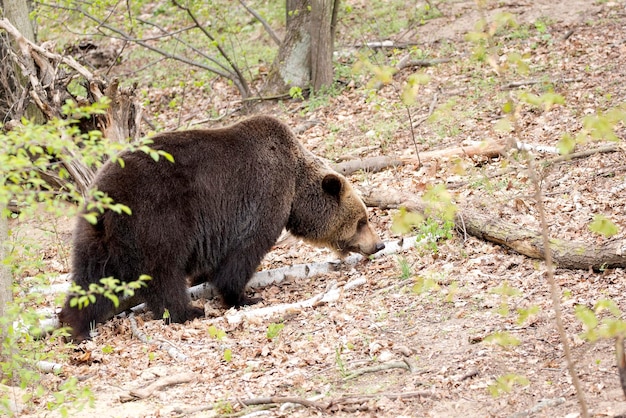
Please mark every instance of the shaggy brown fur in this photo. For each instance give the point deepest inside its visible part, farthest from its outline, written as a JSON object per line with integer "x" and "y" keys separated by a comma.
{"x": 211, "y": 216}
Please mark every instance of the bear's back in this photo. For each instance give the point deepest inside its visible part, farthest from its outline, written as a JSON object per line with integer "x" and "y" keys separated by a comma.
{"x": 256, "y": 153}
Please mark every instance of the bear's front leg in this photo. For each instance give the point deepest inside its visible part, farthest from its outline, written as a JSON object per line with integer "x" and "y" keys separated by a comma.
{"x": 234, "y": 273}
{"x": 168, "y": 291}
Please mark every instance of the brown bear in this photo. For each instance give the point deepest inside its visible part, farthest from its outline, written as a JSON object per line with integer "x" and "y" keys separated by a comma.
{"x": 211, "y": 215}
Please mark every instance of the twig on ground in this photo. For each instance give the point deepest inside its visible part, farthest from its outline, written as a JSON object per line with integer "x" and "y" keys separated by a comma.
{"x": 515, "y": 84}
{"x": 357, "y": 399}
{"x": 310, "y": 403}
{"x": 373, "y": 369}
{"x": 166, "y": 346}
{"x": 483, "y": 225}
{"x": 487, "y": 149}
{"x": 146, "y": 392}
{"x": 522, "y": 146}
{"x": 49, "y": 367}
{"x": 331, "y": 294}
{"x": 544, "y": 403}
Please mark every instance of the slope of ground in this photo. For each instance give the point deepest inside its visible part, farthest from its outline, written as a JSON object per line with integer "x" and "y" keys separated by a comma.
{"x": 426, "y": 311}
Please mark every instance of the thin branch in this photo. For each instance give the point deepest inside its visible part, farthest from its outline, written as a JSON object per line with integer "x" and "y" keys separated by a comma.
{"x": 165, "y": 34}
{"x": 186, "y": 44}
{"x": 385, "y": 366}
{"x": 266, "y": 25}
{"x": 234, "y": 76}
{"x": 421, "y": 63}
{"x": 163, "y": 382}
{"x": 515, "y": 84}
{"x": 241, "y": 80}
{"x": 324, "y": 407}
{"x": 166, "y": 346}
{"x": 554, "y": 287}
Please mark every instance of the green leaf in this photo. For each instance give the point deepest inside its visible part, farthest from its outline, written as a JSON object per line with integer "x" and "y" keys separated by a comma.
{"x": 607, "y": 304}
{"x": 411, "y": 89}
{"x": 403, "y": 222}
{"x": 228, "y": 354}
{"x": 505, "y": 383}
{"x": 566, "y": 144}
{"x": 601, "y": 225}
{"x": 550, "y": 99}
{"x": 524, "y": 314}
{"x": 505, "y": 290}
{"x": 92, "y": 218}
{"x": 503, "y": 339}
{"x": 586, "y": 316}
{"x": 503, "y": 125}
{"x": 424, "y": 284}
{"x": 273, "y": 330}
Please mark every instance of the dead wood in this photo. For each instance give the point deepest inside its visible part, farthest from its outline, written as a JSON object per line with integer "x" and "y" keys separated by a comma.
{"x": 487, "y": 149}
{"x": 480, "y": 224}
{"x": 330, "y": 406}
{"x": 146, "y": 392}
{"x": 385, "y": 366}
{"x": 331, "y": 294}
{"x": 47, "y": 87}
{"x": 521, "y": 83}
{"x": 546, "y": 163}
{"x": 163, "y": 345}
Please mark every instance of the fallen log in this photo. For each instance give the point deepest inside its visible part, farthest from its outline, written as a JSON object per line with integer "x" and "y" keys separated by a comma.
{"x": 487, "y": 149}
{"x": 473, "y": 221}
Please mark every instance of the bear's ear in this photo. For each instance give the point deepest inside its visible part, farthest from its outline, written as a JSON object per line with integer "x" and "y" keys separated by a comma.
{"x": 332, "y": 185}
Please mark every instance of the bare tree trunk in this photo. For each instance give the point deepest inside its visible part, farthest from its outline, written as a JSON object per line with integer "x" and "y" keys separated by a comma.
{"x": 292, "y": 64}
{"x": 321, "y": 43}
{"x": 17, "y": 12}
{"x": 6, "y": 281}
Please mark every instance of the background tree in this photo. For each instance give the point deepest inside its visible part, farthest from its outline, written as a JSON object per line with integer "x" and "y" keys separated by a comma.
{"x": 11, "y": 97}
{"x": 14, "y": 100}
{"x": 305, "y": 56}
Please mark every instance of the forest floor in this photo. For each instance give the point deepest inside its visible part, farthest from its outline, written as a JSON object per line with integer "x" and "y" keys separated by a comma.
{"x": 423, "y": 314}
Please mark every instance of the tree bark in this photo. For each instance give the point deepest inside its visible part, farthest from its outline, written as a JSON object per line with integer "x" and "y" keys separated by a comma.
{"x": 473, "y": 221}
{"x": 291, "y": 67}
{"x": 305, "y": 57}
{"x": 321, "y": 43}
{"x": 13, "y": 102}
{"x": 6, "y": 281}
{"x": 17, "y": 12}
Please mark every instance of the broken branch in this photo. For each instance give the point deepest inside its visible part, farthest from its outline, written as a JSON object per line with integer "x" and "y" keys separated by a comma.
{"x": 177, "y": 379}
{"x": 161, "y": 345}
{"x": 385, "y": 366}
{"x": 566, "y": 254}
{"x": 488, "y": 149}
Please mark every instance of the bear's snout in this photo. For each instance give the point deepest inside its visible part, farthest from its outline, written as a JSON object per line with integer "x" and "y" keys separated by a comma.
{"x": 372, "y": 249}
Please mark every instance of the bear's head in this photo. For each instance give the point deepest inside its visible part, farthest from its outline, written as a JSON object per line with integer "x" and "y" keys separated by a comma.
{"x": 329, "y": 213}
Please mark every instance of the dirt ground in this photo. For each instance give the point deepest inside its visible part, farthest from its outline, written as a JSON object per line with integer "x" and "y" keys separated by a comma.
{"x": 431, "y": 340}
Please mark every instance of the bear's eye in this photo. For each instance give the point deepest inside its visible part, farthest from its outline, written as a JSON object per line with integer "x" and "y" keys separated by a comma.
{"x": 361, "y": 223}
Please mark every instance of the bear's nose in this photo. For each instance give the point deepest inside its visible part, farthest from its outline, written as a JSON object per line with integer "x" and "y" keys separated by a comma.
{"x": 380, "y": 246}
